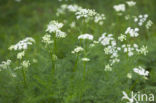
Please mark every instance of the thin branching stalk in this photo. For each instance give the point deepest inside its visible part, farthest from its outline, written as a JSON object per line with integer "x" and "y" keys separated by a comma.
{"x": 24, "y": 77}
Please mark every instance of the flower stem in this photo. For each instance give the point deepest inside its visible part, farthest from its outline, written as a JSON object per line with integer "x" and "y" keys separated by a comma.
{"x": 24, "y": 77}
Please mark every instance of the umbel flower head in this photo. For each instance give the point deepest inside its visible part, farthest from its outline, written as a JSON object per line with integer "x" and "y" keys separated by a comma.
{"x": 20, "y": 55}
{"x": 106, "y": 39}
{"x": 54, "y": 27}
{"x": 132, "y": 32}
{"x": 85, "y": 13}
{"x": 47, "y": 39}
{"x": 26, "y": 64}
{"x": 23, "y": 44}
{"x": 86, "y": 37}
{"x": 5, "y": 64}
{"x": 77, "y": 50}
{"x": 119, "y": 8}
{"x": 141, "y": 71}
{"x": 131, "y": 3}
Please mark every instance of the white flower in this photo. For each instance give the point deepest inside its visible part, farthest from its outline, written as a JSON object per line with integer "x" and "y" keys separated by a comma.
{"x": 106, "y": 40}
{"x": 86, "y": 36}
{"x": 120, "y": 7}
{"x": 129, "y": 75}
{"x": 77, "y": 50}
{"x": 131, "y": 3}
{"x": 143, "y": 50}
{"x": 149, "y": 24}
{"x": 85, "y": 59}
{"x": 122, "y": 37}
{"x": 5, "y": 65}
{"x": 54, "y": 26}
{"x": 141, "y": 71}
{"x": 141, "y": 19}
{"x": 23, "y": 44}
{"x": 26, "y": 64}
{"x": 20, "y": 55}
{"x": 114, "y": 59}
{"x": 47, "y": 39}
{"x": 80, "y": 12}
{"x": 130, "y": 49}
{"x": 73, "y": 24}
{"x": 132, "y": 32}
{"x": 60, "y": 34}
{"x": 84, "y": 13}
{"x": 108, "y": 68}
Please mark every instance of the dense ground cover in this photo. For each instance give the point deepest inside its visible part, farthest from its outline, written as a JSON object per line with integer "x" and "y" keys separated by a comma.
{"x": 92, "y": 73}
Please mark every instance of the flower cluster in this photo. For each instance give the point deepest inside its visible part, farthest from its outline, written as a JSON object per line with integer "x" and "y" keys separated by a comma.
{"x": 90, "y": 14}
{"x": 86, "y": 37}
{"x": 25, "y": 63}
{"x": 54, "y": 27}
{"x": 23, "y": 44}
{"x": 47, "y": 39}
{"x": 80, "y": 12}
{"x": 131, "y": 3}
{"x": 119, "y": 8}
{"x": 132, "y": 32}
{"x": 141, "y": 19}
{"x": 20, "y": 55}
{"x": 5, "y": 65}
{"x": 70, "y": 8}
{"x": 149, "y": 24}
{"x": 141, "y": 71}
{"x": 77, "y": 50}
{"x": 127, "y": 48}
{"x": 122, "y": 37}
{"x": 110, "y": 48}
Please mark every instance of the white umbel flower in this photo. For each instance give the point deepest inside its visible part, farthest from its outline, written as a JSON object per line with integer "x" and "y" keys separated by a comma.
{"x": 108, "y": 68}
{"x": 141, "y": 71}
{"x": 47, "y": 39}
{"x": 129, "y": 75}
{"x": 106, "y": 39}
{"x": 132, "y": 32}
{"x": 122, "y": 37}
{"x": 85, "y": 13}
{"x": 54, "y": 26}
{"x": 23, "y": 44}
{"x": 148, "y": 24}
{"x": 131, "y": 3}
{"x": 20, "y": 55}
{"x": 5, "y": 65}
{"x": 26, "y": 64}
{"x": 85, "y": 59}
{"x": 119, "y": 8}
{"x": 60, "y": 34}
{"x": 86, "y": 37}
{"x": 77, "y": 50}
{"x": 141, "y": 19}
{"x": 143, "y": 50}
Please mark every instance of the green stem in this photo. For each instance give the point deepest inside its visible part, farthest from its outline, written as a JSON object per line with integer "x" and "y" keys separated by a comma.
{"x": 84, "y": 71}
{"x": 75, "y": 67}
{"x": 24, "y": 77}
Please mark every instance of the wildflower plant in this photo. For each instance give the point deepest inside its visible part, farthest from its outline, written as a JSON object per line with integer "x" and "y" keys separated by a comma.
{"x": 23, "y": 64}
